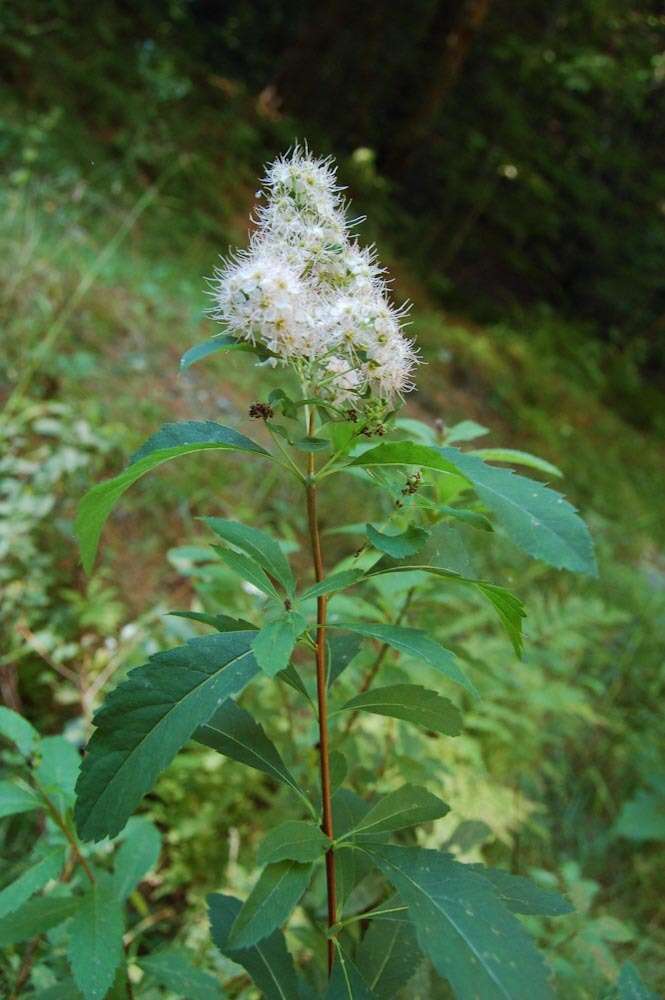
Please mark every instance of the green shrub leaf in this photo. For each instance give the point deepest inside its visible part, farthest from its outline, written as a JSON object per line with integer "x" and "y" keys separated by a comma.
{"x": 332, "y": 584}
{"x": 411, "y": 703}
{"x": 137, "y": 855}
{"x": 398, "y": 546}
{"x": 170, "y": 442}
{"x": 18, "y": 730}
{"x": 416, "y": 643}
{"x": 95, "y": 938}
{"x": 389, "y": 954}
{"x": 471, "y": 938}
{"x": 346, "y": 982}
{"x": 58, "y": 770}
{"x": 270, "y": 902}
{"x": 521, "y": 895}
{"x": 294, "y": 840}
{"x": 37, "y": 916}
{"x": 223, "y": 342}
{"x": 274, "y": 643}
{"x": 249, "y": 570}
{"x": 268, "y": 962}
{"x": 537, "y": 519}
{"x": 146, "y": 720}
{"x": 342, "y": 649}
{"x": 34, "y": 878}
{"x": 514, "y": 457}
{"x": 408, "y": 453}
{"x": 173, "y": 969}
{"x": 407, "y": 806}
{"x": 16, "y": 799}
{"x": 258, "y": 545}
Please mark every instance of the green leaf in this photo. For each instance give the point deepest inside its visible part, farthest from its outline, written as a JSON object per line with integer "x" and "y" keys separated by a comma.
{"x": 407, "y": 453}
{"x": 137, "y": 855}
{"x": 247, "y": 570}
{"x": 34, "y": 878}
{"x": 642, "y": 817}
{"x": 351, "y": 866}
{"x": 170, "y": 442}
{"x": 509, "y": 609}
{"x": 398, "y": 546}
{"x": 389, "y": 954}
{"x": 537, "y": 519}
{"x": 95, "y": 938}
{"x": 268, "y": 962}
{"x": 275, "y": 642}
{"x": 18, "y": 730}
{"x": 294, "y": 840}
{"x": 466, "y": 430}
{"x": 259, "y": 546}
{"x": 411, "y": 703}
{"x": 631, "y": 986}
{"x": 16, "y": 799}
{"x": 407, "y": 806}
{"x": 521, "y": 895}
{"x": 58, "y": 770}
{"x": 223, "y": 342}
{"x": 346, "y": 982}
{"x": 471, "y": 938}
{"x": 173, "y": 969}
{"x": 338, "y": 769}
{"x": 514, "y": 457}
{"x": 471, "y": 517}
{"x": 146, "y": 720}
{"x": 342, "y": 649}
{"x": 416, "y": 643}
{"x": 233, "y": 732}
{"x": 311, "y": 444}
{"x": 332, "y": 584}
{"x": 35, "y": 917}
{"x": 223, "y": 623}
{"x": 270, "y": 902}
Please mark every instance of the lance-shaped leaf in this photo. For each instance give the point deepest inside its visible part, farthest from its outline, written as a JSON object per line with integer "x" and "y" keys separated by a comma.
{"x": 171, "y": 441}
{"x": 268, "y": 962}
{"x": 233, "y": 732}
{"x": 539, "y": 520}
{"x": 412, "y": 703}
{"x": 37, "y": 916}
{"x": 521, "y": 895}
{"x": 471, "y": 938}
{"x": 18, "y": 730}
{"x": 270, "y": 902}
{"x": 346, "y": 982}
{"x": 95, "y": 940}
{"x": 223, "y": 342}
{"x": 398, "y": 546}
{"x": 173, "y": 969}
{"x": 407, "y": 806}
{"x": 34, "y": 878}
{"x": 408, "y": 453}
{"x": 389, "y": 954}
{"x": 147, "y": 719}
{"x": 138, "y": 854}
{"x": 466, "y": 430}
{"x": 258, "y": 545}
{"x": 342, "y": 649}
{"x": 247, "y": 569}
{"x": 512, "y": 456}
{"x": 351, "y": 866}
{"x": 223, "y": 623}
{"x": 416, "y": 643}
{"x": 294, "y": 840}
{"x": 275, "y": 642}
{"x": 332, "y": 584}
{"x": 58, "y": 770}
{"x": 16, "y": 799}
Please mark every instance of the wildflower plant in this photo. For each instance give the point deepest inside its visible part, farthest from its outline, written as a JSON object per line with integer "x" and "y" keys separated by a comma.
{"x": 309, "y": 300}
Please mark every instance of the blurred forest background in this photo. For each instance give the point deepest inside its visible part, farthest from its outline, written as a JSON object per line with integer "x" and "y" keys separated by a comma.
{"x": 509, "y": 160}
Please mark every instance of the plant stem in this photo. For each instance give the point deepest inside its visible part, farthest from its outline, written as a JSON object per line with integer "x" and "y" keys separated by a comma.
{"x": 322, "y": 696}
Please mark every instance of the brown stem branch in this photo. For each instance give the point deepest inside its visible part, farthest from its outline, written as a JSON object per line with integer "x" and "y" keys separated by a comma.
{"x": 322, "y": 700}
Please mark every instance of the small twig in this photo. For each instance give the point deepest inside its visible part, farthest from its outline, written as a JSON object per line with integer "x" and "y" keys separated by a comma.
{"x": 37, "y": 647}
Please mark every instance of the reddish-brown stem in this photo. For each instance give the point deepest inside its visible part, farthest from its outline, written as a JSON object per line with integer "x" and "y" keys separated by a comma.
{"x": 322, "y": 699}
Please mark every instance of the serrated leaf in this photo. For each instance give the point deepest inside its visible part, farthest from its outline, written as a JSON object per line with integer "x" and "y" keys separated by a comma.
{"x": 521, "y": 895}
{"x": 407, "y": 453}
{"x": 267, "y": 962}
{"x": 35, "y": 917}
{"x": 416, "y": 643}
{"x": 224, "y": 342}
{"x": 389, "y": 954}
{"x": 95, "y": 938}
{"x": 270, "y": 902}
{"x": 173, "y": 969}
{"x": 411, "y": 703}
{"x": 247, "y": 569}
{"x": 274, "y": 643}
{"x": 536, "y": 518}
{"x": 346, "y": 982}
{"x": 233, "y": 732}
{"x": 146, "y": 720}
{"x": 258, "y": 545}
{"x": 405, "y": 807}
{"x": 472, "y": 940}
{"x": 18, "y": 730}
{"x": 342, "y": 649}
{"x": 509, "y": 608}
{"x": 58, "y": 770}
{"x": 172, "y": 441}
{"x": 138, "y": 854}
{"x": 16, "y": 799}
{"x": 223, "y": 623}
{"x": 350, "y": 866}
{"x": 631, "y": 986}
{"x": 293, "y": 840}
{"x": 332, "y": 584}
{"x": 30, "y": 881}
{"x": 514, "y": 457}
{"x": 398, "y": 546}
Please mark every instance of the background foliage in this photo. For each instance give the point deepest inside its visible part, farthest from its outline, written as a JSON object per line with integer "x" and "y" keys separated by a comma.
{"x": 509, "y": 162}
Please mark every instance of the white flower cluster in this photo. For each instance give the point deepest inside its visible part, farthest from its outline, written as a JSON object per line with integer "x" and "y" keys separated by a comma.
{"x": 310, "y": 295}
